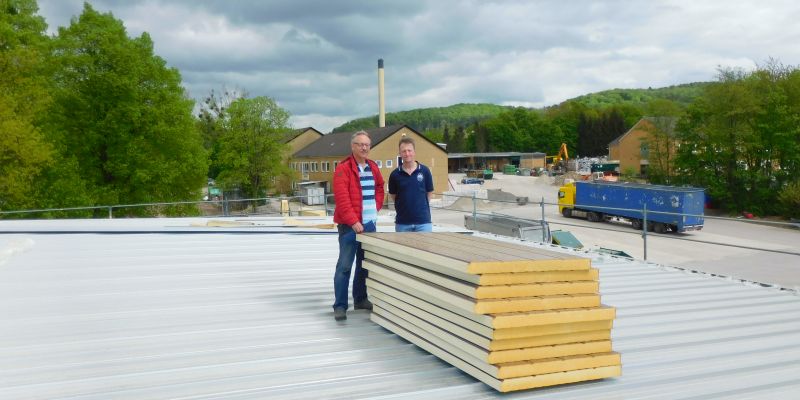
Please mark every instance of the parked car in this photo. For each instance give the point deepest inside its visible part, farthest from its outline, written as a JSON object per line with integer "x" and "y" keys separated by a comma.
{"x": 468, "y": 181}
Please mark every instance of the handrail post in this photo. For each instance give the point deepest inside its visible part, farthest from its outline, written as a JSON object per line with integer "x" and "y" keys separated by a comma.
{"x": 541, "y": 203}
{"x": 110, "y": 213}
{"x": 644, "y": 229}
{"x": 474, "y": 209}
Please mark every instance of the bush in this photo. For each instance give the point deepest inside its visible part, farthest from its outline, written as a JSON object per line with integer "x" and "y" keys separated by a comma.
{"x": 789, "y": 199}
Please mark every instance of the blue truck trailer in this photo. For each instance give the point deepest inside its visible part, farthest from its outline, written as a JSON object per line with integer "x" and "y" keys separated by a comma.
{"x": 599, "y": 201}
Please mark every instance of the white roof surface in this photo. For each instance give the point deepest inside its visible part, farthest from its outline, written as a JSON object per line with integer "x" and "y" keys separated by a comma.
{"x": 155, "y": 310}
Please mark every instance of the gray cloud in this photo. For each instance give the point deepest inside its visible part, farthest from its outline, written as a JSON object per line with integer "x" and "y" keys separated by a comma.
{"x": 318, "y": 58}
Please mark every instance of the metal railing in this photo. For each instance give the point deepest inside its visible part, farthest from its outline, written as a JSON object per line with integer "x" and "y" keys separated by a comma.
{"x": 644, "y": 230}
{"x": 295, "y": 207}
{"x": 224, "y": 208}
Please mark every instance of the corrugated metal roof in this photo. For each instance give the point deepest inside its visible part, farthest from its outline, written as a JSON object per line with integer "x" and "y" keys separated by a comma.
{"x": 186, "y": 316}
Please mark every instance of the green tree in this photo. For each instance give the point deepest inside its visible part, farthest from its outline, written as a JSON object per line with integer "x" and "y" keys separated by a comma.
{"x": 713, "y": 134}
{"x": 597, "y": 128}
{"x": 212, "y": 111}
{"x": 458, "y": 142}
{"x": 480, "y": 137}
{"x": 425, "y": 119}
{"x": 566, "y": 116}
{"x": 661, "y": 142}
{"x": 251, "y": 147}
{"x": 522, "y": 130}
{"x": 25, "y": 152}
{"x": 741, "y": 139}
{"x": 123, "y": 117}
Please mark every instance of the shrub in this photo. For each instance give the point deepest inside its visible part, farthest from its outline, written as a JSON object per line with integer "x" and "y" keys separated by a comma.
{"x": 789, "y": 198}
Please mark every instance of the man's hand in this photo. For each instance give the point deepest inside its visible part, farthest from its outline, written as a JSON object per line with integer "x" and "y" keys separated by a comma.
{"x": 358, "y": 227}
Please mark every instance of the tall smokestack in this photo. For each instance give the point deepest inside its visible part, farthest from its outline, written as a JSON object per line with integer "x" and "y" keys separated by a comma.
{"x": 381, "y": 110}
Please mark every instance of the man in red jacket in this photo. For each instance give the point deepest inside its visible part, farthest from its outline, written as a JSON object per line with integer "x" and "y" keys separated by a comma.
{"x": 358, "y": 192}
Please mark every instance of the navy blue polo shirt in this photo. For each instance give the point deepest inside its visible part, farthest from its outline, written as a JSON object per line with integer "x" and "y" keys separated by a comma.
{"x": 411, "y": 204}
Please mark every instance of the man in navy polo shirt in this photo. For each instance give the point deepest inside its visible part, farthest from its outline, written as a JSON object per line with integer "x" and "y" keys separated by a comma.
{"x": 411, "y": 188}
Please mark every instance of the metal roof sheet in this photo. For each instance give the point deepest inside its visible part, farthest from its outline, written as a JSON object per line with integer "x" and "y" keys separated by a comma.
{"x": 176, "y": 315}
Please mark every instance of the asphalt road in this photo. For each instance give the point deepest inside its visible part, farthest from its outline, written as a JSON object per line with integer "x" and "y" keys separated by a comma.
{"x": 738, "y": 249}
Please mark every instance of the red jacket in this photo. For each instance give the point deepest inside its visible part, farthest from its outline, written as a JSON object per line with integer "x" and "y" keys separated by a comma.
{"x": 347, "y": 191}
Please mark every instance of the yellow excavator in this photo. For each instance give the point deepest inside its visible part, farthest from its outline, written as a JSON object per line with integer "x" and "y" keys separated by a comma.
{"x": 558, "y": 165}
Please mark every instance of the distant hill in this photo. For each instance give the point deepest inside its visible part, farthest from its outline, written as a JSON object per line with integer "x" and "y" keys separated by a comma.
{"x": 424, "y": 119}
{"x": 681, "y": 94}
{"x": 427, "y": 119}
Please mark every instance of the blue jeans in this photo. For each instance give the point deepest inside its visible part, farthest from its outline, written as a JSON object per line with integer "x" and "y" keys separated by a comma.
{"x": 413, "y": 227}
{"x": 349, "y": 250}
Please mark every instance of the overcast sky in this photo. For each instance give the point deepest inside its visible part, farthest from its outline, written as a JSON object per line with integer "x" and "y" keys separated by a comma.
{"x": 318, "y": 59}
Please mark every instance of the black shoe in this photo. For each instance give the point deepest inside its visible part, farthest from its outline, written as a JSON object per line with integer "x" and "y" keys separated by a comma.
{"x": 363, "y": 305}
{"x": 339, "y": 314}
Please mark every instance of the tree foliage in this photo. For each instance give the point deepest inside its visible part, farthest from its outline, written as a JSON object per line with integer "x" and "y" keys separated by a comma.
{"x": 424, "y": 119}
{"x": 683, "y": 95}
{"x": 122, "y": 116}
{"x": 212, "y": 110}
{"x": 521, "y": 130}
{"x": 596, "y": 129}
{"x": 741, "y": 139}
{"x": 251, "y": 146}
{"x": 24, "y": 153}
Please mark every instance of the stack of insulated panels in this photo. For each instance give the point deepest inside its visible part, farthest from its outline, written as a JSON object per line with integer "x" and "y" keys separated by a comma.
{"x": 512, "y": 316}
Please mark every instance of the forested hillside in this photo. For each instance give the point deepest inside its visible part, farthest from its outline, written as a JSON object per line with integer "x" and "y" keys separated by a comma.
{"x": 437, "y": 118}
{"x": 681, "y": 94}
{"x": 424, "y": 119}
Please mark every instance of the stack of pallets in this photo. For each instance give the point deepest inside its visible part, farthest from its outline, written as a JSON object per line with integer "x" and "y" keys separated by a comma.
{"x": 512, "y": 316}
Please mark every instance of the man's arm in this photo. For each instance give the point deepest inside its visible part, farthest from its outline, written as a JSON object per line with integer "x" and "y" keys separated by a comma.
{"x": 429, "y": 183}
{"x": 341, "y": 194}
{"x": 393, "y": 187}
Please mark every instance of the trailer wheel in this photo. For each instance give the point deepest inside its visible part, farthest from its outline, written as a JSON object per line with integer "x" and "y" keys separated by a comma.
{"x": 637, "y": 224}
{"x": 594, "y": 216}
{"x": 674, "y": 228}
{"x": 566, "y": 212}
{"x": 658, "y": 227}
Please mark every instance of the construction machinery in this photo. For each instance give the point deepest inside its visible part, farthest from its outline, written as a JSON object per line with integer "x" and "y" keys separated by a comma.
{"x": 558, "y": 165}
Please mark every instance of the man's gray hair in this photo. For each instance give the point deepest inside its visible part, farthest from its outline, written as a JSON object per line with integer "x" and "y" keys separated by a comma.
{"x": 359, "y": 133}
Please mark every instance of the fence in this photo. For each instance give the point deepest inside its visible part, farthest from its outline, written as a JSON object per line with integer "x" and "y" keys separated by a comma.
{"x": 284, "y": 205}
{"x": 477, "y": 199}
{"x": 300, "y": 205}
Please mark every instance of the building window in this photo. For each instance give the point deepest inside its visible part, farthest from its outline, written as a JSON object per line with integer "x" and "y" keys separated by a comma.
{"x": 324, "y": 165}
{"x": 379, "y": 163}
{"x": 645, "y": 151}
{"x": 388, "y": 163}
{"x": 335, "y": 164}
{"x": 304, "y": 167}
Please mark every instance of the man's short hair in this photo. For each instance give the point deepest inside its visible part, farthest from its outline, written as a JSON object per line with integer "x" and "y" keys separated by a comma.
{"x": 406, "y": 139}
{"x": 359, "y": 133}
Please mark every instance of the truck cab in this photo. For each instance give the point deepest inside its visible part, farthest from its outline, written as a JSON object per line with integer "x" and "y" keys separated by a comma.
{"x": 566, "y": 199}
